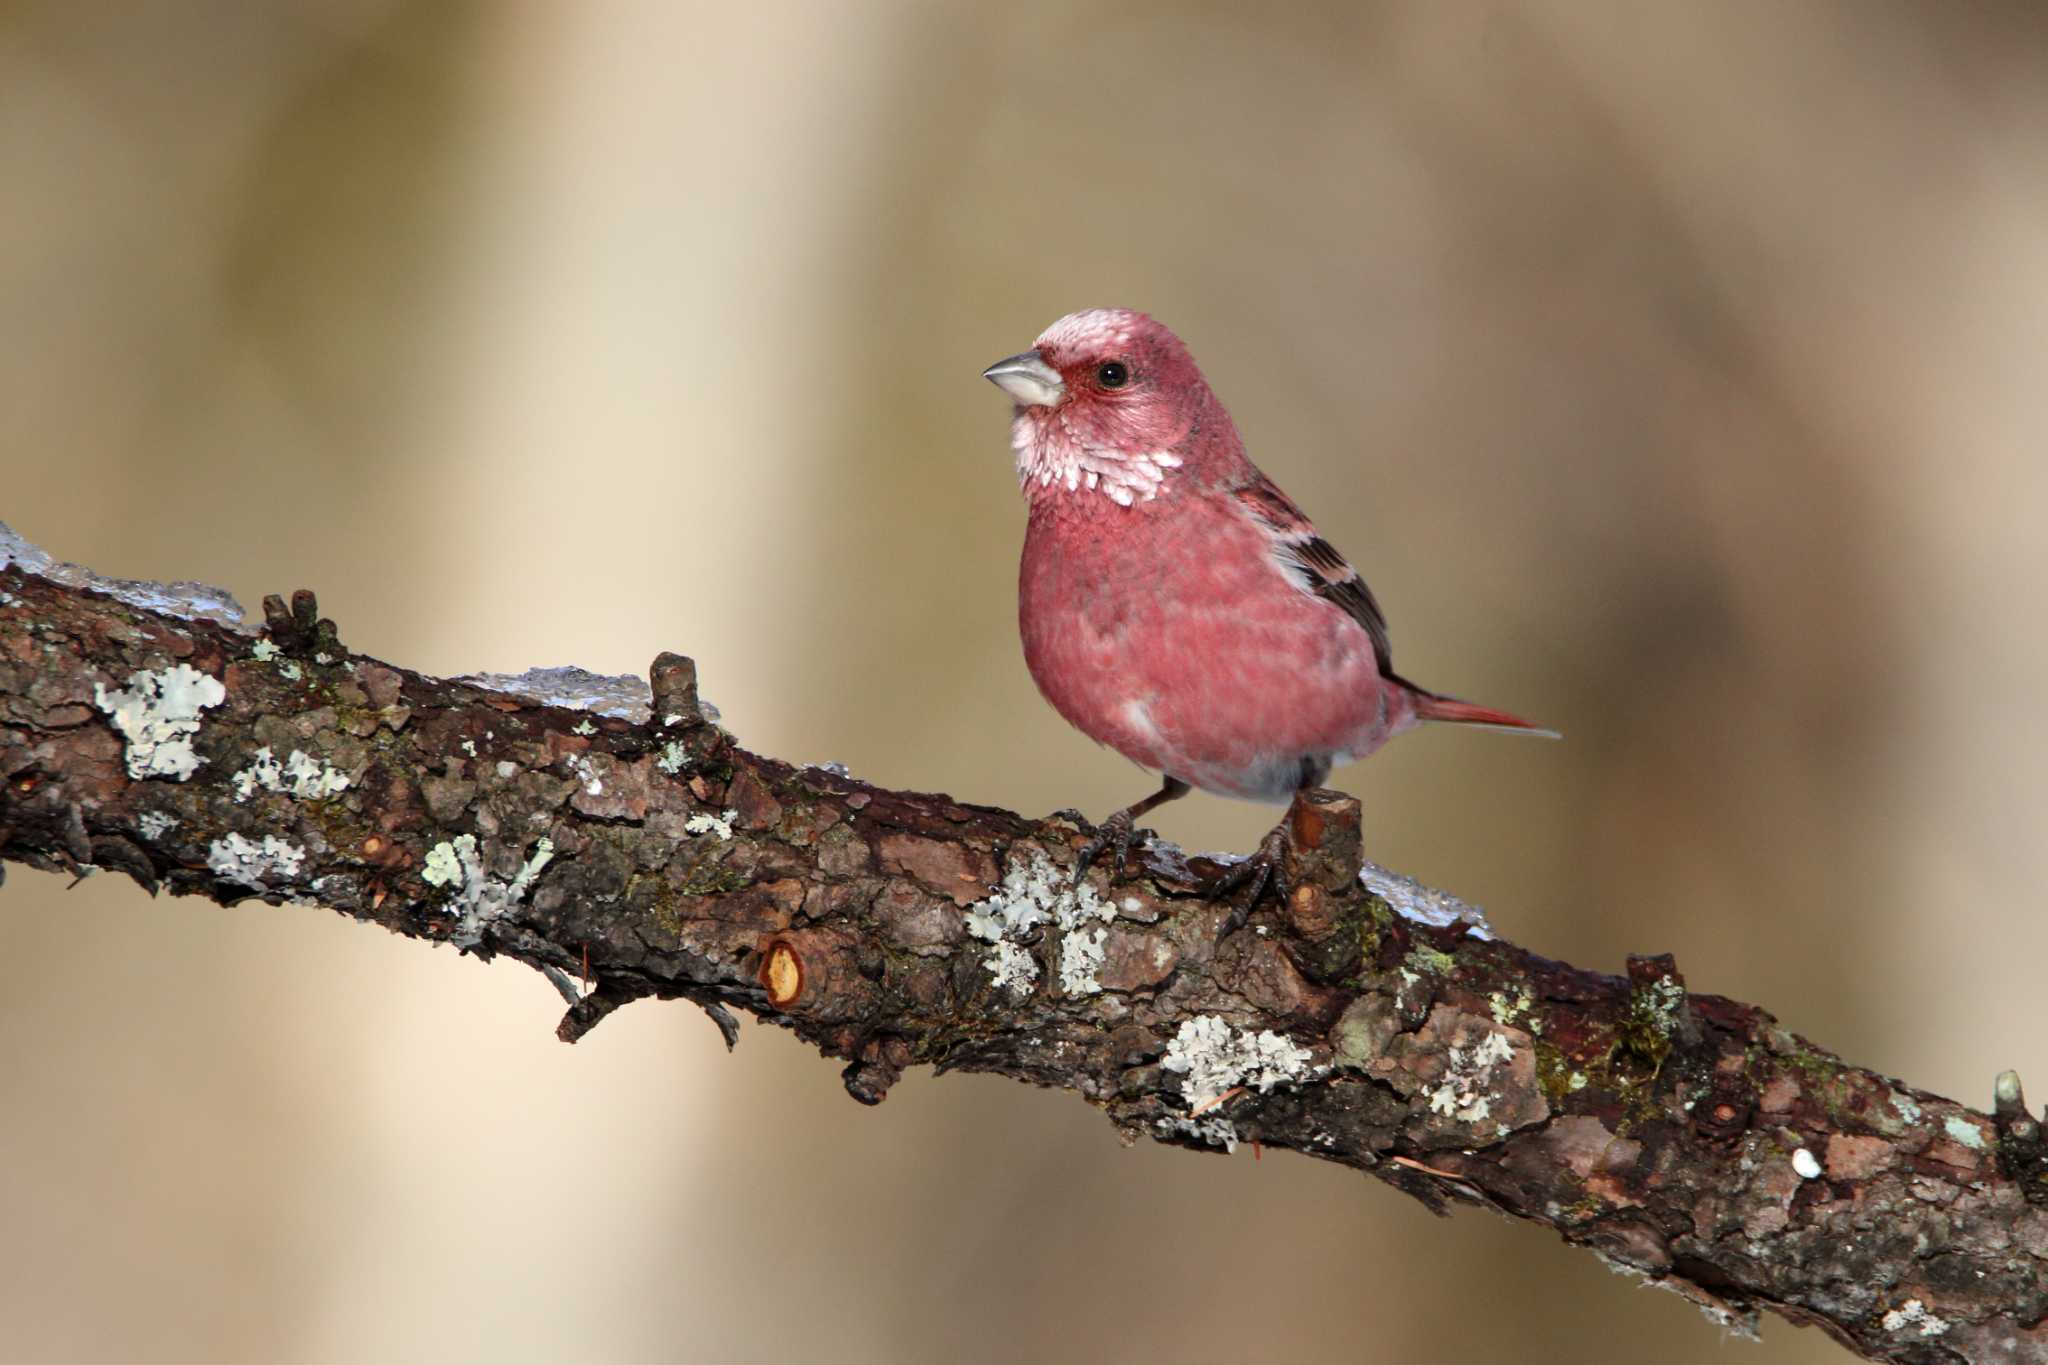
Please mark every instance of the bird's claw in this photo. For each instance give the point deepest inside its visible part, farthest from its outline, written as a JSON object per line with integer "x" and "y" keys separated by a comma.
{"x": 1116, "y": 833}
{"x": 1264, "y": 870}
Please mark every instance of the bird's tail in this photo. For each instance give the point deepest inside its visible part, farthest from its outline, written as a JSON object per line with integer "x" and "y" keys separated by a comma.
{"x": 1431, "y": 706}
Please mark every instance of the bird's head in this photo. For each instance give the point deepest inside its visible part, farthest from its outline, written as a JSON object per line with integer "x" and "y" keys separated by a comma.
{"x": 1110, "y": 402}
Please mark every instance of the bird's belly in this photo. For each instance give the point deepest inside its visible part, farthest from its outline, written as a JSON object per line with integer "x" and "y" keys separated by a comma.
{"x": 1233, "y": 681}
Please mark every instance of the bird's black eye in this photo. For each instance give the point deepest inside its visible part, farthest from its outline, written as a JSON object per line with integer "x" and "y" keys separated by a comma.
{"x": 1112, "y": 374}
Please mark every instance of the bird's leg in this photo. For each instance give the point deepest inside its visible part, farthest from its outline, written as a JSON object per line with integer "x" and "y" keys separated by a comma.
{"x": 1120, "y": 830}
{"x": 1265, "y": 868}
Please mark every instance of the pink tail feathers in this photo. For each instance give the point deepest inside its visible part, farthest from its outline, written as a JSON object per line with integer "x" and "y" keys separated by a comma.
{"x": 1429, "y": 706}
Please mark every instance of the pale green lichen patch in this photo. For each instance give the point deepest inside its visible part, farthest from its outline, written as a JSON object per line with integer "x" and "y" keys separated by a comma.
{"x": 442, "y": 867}
{"x": 1362, "y": 1032}
{"x": 458, "y": 863}
{"x": 1508, "y": 1008}
{"x": 1423, "y": 960}
{"x": 1653, "y": 1013}
{"x": 1897, "y": 1114}
{"x": 1660, "y": 1002}
{"x": 1964, "y": 1131}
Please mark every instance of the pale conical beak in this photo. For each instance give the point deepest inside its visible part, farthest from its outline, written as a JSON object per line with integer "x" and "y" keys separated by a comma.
{"x": 1028, "y": 379}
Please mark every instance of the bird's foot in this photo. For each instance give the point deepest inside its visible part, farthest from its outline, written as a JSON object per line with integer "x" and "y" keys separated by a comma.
{"x": 1115, "y": 834}
{"x": 1265, "y": 870}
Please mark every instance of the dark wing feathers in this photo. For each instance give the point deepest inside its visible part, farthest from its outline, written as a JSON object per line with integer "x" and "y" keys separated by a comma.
{"x": 1317, "y": 564}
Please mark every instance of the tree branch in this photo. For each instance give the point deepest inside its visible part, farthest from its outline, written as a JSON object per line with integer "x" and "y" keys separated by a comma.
{"x": 615, "y": 838}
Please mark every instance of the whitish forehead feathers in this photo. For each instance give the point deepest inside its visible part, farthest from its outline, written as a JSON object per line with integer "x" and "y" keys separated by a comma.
{"x": 1091, "y": 330}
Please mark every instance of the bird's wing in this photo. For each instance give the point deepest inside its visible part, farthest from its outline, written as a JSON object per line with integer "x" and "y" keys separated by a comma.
{"x": 1315, "y": 563}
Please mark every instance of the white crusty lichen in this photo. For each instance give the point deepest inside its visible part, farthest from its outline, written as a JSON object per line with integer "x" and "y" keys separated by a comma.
{"x": 586, "y": 773}
{"x": 1914, "y": 1314}
{"x": 300, "y": 775}
{"x": 1002, "y": 917}
{"x": 1034, "y": 893}
{"x": 1081, "y": 953}
{"x": 1022, "y": 904}
{"x": 246, "y": 862}
{"x": 157, "y": 714}
{"x": 1462, "y": 1094}
{"x": 1216, "y": 1059}
{"x": 1013, "y": 967}
{"x": 674, "y": 757}
{"x": 1074, "y": 908}
{"x": 1659, "y": 1004}
{"x": 706, "y": 823}
{"x": 1215, "y": 1131}
{"x": 458, "y": 863}
{"x": 154, "y": 824}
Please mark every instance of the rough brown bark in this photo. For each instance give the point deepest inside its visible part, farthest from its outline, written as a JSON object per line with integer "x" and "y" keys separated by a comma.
{"x": 1686, "y": 1138}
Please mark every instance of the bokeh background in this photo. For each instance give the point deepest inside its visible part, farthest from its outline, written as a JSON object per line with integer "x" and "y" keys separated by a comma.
{"x": 1674, "y": 372}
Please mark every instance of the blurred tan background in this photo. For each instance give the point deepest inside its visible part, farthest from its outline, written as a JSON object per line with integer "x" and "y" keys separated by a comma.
{"x": 1673, "y": 371}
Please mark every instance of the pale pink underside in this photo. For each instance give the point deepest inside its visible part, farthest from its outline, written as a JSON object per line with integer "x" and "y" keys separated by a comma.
{"x": 1169, "y": 631}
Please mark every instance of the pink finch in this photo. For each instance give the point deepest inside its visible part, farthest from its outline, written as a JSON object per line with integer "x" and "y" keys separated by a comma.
{"x": 1175, "y": 604}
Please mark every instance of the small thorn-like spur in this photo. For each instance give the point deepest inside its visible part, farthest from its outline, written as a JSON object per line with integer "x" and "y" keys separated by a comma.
{"x": 1120, "y": 831}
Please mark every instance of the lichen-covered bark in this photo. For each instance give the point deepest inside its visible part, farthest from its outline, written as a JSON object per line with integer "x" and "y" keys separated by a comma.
{"x": 1686, "y": 1138}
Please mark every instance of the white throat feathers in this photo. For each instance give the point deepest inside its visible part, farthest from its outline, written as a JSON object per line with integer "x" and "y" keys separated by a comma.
{"x": 1049, "y": 454}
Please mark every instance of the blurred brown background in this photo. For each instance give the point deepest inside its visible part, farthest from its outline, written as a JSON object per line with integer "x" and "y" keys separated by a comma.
{"x": 1673, "y": 371}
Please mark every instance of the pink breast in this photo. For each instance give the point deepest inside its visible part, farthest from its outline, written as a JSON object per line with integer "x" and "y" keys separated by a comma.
{"x": 1167, "y": 631}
